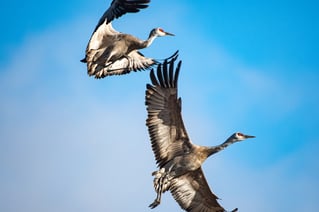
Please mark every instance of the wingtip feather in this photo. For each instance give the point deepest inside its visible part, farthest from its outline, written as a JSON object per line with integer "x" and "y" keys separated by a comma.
{"x": 153, "y": 77}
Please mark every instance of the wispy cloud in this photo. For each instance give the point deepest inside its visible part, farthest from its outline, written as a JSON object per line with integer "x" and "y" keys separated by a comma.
{"x": 64, "y": 145}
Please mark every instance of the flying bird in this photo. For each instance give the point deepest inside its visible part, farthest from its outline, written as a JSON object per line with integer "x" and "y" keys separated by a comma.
{"x": 179, "y": 160}
{"x": 110, "y": 52}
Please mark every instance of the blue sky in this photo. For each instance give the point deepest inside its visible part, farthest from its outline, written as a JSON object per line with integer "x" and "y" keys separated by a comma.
{"x": 72, "y": 143}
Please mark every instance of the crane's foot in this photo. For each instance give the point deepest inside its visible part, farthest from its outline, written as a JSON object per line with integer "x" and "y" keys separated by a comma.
{"x": 236, "y": 209}
{"x": 154, "y": 204}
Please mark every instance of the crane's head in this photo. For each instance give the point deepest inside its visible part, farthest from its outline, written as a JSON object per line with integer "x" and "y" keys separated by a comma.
{"x": 160, "y": 32}
{"x": 238, "y": 136}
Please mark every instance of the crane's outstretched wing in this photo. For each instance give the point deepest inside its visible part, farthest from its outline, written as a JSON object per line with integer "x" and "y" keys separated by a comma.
{"x": 104, "y": 32}
{"x": 165, "y": 125}
{"x": 119, "y": 8}
{"x": 135, "y": 62}
{"x": 193, "y": 194}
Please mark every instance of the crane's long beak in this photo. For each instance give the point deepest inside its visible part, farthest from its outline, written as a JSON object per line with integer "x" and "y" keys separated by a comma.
{"x": 167, "y": 33}
{"x": 249, "y": 136}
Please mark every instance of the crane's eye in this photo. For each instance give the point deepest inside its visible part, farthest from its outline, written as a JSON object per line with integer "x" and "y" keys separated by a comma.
{"x": 240, "y": 134}
{"x": 160, "y": 29}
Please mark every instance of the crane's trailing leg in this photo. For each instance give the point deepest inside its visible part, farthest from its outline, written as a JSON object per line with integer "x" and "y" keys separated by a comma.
{"x": 161, "y": 184}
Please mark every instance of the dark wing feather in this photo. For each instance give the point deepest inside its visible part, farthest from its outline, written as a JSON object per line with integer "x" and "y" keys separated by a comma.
{"x": 165, "y": 75}
{"x": 193, "y": 194}
{"x": 120, "y": 7}
{"x": 165, "y": 125}
{"x": 160, "y": 68}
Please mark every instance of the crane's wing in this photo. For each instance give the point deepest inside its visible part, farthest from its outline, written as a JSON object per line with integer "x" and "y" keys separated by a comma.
{"x": 119, "y": 8}
{"x": 104, "y": 32}
{"x": 165, "y": 125}
{"x": 193, "y": 194}
{"x": 135, "y": 61}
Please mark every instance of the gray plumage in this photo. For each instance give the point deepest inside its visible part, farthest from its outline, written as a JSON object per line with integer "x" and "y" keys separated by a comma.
{"x": 178, "y": 159}
{"x": 110, "y": 52}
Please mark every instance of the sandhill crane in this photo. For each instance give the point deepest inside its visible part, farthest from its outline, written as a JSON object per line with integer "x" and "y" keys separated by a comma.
{"x": 113, "y": 53}
{"x": 178, "y": 159}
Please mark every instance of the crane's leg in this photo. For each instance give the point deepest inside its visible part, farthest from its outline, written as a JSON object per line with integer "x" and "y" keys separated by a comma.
{"x": 157, "y": 201}
{"x": 161, "y": 184}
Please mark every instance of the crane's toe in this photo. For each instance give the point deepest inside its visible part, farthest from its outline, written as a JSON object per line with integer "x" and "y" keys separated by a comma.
{"x": 154, "y": 204}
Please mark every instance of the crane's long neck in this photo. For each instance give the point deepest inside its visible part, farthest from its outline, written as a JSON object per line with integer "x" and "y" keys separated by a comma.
{"x": 149, "y": 41}
{"x": 215, "y": 149}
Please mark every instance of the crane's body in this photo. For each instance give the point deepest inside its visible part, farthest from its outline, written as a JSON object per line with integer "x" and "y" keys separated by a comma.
{"x": 191, "y": 160}
{"x": 178, "y": 159}
{"x": 110, "y": 52}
